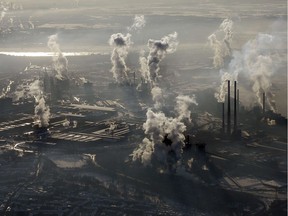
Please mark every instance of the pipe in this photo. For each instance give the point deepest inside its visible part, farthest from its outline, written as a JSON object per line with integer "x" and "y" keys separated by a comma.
{"x": 229, "y": 111}
{"x": 235, "y": 106}
{"x": 264, "y": 97}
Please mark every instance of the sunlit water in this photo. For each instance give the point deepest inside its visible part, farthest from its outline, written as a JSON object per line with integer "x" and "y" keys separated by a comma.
{"x": 49, "y": 54}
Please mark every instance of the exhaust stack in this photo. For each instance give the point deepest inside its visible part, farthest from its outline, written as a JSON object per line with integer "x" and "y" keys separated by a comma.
{"x": 235, "y": 106}
{"x": 223, "y": 117}
{"x": 238, "y": 102}
{"x": 264, "y": 97}
{"x": 229, "y": 111}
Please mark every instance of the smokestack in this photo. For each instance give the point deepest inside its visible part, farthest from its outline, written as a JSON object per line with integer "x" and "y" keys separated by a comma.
{"x": 238, "y": 102}
{"x": 229, "y": 111}
{"x": 223, "y": 117}
{"x": 235, "y": 106}
{"x": 264, "y": 96}
{"x": 134, "y": 77}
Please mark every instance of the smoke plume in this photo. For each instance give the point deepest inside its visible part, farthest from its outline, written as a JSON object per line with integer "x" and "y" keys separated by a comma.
{"x": 60, "y": 62}
{"x": 138, "y": 24}
{"x": 158, "y": 127}
{"x": 164, "y": 135}
{"x": 222, "y": 90}
{"x": 157, "y": 97}
{"x": 41, "y": 111}
{"x": 258, "y": 60}
{"x": 157, "y": 51}
{"x": 183, "y": 103}
{"x": 121, "y": 44}
{"x": 221, "y": 48}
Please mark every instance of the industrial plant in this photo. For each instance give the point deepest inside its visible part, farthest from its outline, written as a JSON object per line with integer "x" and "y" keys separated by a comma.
{"x": 143, "y": 123}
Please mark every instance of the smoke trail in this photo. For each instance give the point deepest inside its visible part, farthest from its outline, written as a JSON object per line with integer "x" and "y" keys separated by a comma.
{"x": 182, "y": 107}
{"x": 41, "y": 111}
{"x": 220, "y": 95}
{"x": 221, "y": 48}
{"x": 258, "y": 60}
{"x": 157, "y": 96}
{"x": 226, "y": 26}
{"x": 138, "y": 24}
{"x": 158, "y": 127}
{"x": 165, "y": 138}
{"x": 157, "y": 51}
{"x": 144, "y": 68}
{"x": 60, "y": 62}
{"x": 121, "y": 45}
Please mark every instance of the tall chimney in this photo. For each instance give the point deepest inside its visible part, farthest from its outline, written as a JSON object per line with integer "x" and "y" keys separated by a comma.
{"x": 235, "y": 106}
{"x": 223, "y": 117}
{"x": 238, "y": 102}
{"x": 264, "y": 97}
{"x": 229, "y": 111}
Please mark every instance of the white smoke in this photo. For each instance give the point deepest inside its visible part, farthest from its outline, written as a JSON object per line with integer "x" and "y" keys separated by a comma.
{"x": 157, "y": 51}
{"x": 41, "y": 111}
{"x": 222, "y": 90}
{"x": 156, "y": 127}
{"x": 222, "y": 47}
{"x": 66, "y": 123}
{"x": 60, "y": 62}
{"x": 164, "y": 135}
{"x": 157, "y": 97}
{"x": 75, "y": 123}
{"x": 138, "y": 24}
{"x": 258, "y": 60}
{"x": 121, "y": 44}
{"x": 183, "y": 103}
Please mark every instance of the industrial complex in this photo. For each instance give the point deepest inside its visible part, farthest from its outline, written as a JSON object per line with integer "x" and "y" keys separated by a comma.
{"x": 135, "y": 131}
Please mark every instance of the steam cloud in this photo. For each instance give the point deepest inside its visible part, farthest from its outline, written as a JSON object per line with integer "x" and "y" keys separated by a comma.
{"x": 157, "y": 96}
{"x": 183, "y": 103}
{"x": 220, "y": 95}
{"x": 156, "y": 127}
{"x": 258, "y": 60}
{"x": 221, "y": 48}
{"x": 41, "y": 111}
{"x": 138, "y": 24}
{"x": 60, "y": 62}
{"x": 165, "y": 138}
{"x": 121, "y": 44}
{"x": 164, "y": 135}
{"x": 157, "y": 51}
